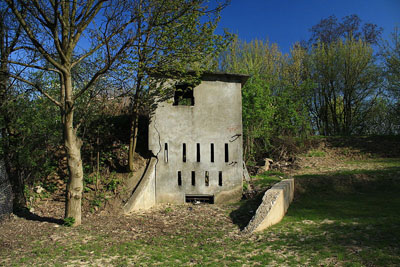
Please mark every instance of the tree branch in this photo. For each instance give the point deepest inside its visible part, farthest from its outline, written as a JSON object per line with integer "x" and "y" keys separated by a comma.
{"x": 37, "y": 87}
{"x": 105, "y": 41}
{"x": 31, "y": 36}
{"x": 33, "y": 66}
{"x": 104, "y": 69}
{"x": 84, "y": 23}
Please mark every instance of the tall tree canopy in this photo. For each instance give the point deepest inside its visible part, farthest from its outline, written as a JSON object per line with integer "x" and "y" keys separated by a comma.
{"x": 330, "y": 29}
{"x": 343, "y": 68}
{"x": 346, "y": 85}
{"x": 274, "y": 97}
{"x": 391, "y": 59}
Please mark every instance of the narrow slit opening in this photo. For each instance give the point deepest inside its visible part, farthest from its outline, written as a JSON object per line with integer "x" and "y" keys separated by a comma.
{"x": 166, "y": 152}
{"x": 207, "y": 178}
{"x": 220, "y": 178}
{"x": 184, "y": 152}
{"x": 179, "y": 178}
{"x": 193, "y": 178}
{"x": 212, "y": 152}
{"x": 226, "y": 153}
{"x": 198, "y": 152}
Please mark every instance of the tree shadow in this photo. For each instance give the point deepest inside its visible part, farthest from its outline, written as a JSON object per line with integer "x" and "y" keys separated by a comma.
{"x": 340, "y": 184}
{"x": 371, "y": 243}
{"x": 348, "y": 181}
{"x": 27, "y": 215}
{"x": 356, "y": 214}
{"x": 379, "y": 145}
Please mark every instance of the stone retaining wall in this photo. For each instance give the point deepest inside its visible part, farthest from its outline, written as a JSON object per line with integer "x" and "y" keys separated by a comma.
{"x": 273, "y": 207}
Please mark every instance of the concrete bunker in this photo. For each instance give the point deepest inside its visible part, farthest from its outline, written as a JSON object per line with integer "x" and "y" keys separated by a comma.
{"x": 196, "y": 137}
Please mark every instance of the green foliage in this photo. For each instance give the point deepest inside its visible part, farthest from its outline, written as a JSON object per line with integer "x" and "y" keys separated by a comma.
{"x": 269, "y": 178}
{"x": 50, "y": 187}
{"x": 315, "y": 153}
{"x": 258, "y": 113}
{"x": 30, "y": 134}
{"x": 113, "y": 183}
{"x": 245, "y": 186}
{"x": 168, "y": 210}
{"x": 69, "y": 221}
{"x": 391, "y": 56}
{"x": 274, "y": 98}
{"x": 87, "y": 180}
{"x": 349, "y": 84}
{"x": 98, "y": 200}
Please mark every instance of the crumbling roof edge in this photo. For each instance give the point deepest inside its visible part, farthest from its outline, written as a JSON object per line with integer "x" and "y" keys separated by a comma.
{"x": 213, "y": 76}
{"x": 242, "y": 78}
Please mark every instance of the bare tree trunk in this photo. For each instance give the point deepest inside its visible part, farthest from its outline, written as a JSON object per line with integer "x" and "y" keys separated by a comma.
{"x": 134, "y": 125}
{"x": 133, "y": 135}
{"x": 73, "y": 146}
{"x": 98, "y": 161}
{"x": 62, "y": 101}
{"x": 75, "y": 183}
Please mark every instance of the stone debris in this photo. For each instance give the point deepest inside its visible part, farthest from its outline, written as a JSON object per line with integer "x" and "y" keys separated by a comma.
{"x": 266, "y": 165}
{"x": 38, "y": 189}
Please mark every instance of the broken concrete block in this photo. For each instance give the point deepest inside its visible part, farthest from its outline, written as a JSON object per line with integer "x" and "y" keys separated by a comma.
{"x": 273, "y": 207}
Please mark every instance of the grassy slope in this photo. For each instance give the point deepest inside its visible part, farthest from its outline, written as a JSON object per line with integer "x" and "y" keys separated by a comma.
{"x": 344, "y": 216}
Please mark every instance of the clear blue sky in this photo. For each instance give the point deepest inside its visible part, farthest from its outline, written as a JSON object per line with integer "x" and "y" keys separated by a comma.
{"x": 286, "y": 21}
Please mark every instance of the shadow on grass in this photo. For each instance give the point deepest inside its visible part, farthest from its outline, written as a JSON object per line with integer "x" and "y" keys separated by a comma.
{"x": 349, "y": 181}
{"x": 370, "y": 243}
{"x": 363, "y": 226}
{"x": 26, "y": 214}
{"x": 338, "y": 185}
{"x": 378, "y": 145}
{"x": 352, "y": 215}
{"x": 247, "y": 208}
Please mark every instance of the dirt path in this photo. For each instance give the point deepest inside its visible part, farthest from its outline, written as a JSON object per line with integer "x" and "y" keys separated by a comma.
{"x": 23, "y": 234}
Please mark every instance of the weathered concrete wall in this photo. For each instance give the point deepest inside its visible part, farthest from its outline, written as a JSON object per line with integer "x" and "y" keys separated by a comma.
{"x": 215, "y": 118}
{"x": 143, "y": 197}
{"x": 273, "y": 207}
{"x": 6, "y": 204}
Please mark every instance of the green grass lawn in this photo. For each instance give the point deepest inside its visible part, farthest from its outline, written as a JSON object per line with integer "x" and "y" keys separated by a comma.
{"x": 345, "y": 218}
{"x": 361, "y": 227}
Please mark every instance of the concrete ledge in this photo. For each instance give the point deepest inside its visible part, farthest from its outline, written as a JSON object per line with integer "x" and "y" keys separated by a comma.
{"x": 143, "y": 196}
{"x": 273, "y": 207}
